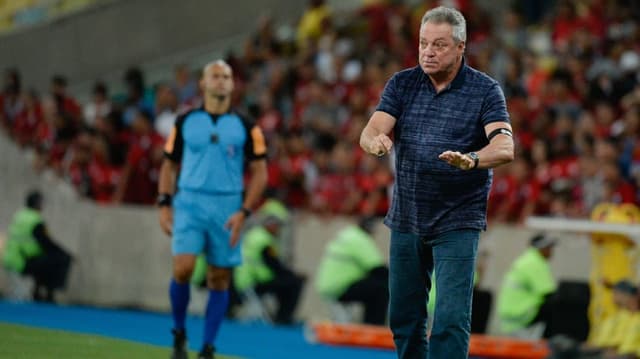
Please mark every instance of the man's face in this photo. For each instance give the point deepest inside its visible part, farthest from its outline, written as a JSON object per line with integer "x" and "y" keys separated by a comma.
{"x": 438, "y": 51}
{"x": 217, "y": 80}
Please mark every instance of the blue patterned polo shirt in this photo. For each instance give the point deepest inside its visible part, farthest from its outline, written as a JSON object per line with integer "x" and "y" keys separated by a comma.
{"x": 430, "y": 196}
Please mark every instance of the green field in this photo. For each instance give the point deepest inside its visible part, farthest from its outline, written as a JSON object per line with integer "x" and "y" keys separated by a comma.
{"x": 22, "y": 342}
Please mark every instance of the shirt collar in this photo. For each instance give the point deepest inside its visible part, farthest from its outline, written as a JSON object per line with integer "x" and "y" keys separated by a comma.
{"x": 457, "y": 81}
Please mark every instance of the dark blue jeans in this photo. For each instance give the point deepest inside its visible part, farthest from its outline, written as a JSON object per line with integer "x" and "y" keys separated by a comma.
{"x": 412, "y": 261}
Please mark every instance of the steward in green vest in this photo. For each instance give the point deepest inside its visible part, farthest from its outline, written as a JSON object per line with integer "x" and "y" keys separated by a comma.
{"x": 353, "y": 270}
{"x": 528, "y": 287}
{"x": 30, "y": 251}
{"x": 262, "y": 269}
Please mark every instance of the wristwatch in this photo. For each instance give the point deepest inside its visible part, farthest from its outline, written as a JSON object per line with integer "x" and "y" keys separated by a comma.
{"x": 246, "y": 211}
{"x": 164, "y": 200}
{"x": 475, "y": 158}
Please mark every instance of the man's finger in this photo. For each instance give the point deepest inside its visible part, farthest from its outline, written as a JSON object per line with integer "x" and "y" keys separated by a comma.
{"x": 384, "y": 145}
{"x": 386, "y": 142}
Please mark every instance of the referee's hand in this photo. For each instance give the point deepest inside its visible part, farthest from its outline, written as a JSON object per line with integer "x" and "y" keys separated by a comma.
{"x": 166, "y": 219}
{"x": 234, "y": 224}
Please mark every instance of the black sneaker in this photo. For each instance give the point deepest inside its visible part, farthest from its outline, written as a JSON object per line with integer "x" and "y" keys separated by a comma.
{"x": 207, "y": 352}
{"x": 179, "y": 344}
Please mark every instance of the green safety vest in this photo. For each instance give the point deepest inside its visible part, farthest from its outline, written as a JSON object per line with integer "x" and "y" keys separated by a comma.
{"x": 21, "y": 244}
{"x": 523, "y": 290}
{"x": 253, "y": 269}
{"x": 199, "y": 270}
{"x": 347, "y": 259}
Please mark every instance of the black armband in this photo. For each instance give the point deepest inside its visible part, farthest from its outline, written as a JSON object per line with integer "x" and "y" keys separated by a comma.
{"x": 246, "y": 211}
{"x": 500, "y": 131}
{"x": 164, "y": 200}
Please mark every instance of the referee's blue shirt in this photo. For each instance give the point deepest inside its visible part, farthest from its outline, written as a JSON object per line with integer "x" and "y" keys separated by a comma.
{"x": 212, "y": 150}
{"x": 431, "y": 197}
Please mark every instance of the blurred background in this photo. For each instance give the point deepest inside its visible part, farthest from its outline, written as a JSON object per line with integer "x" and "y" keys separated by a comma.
{"x": 91, "y": 88}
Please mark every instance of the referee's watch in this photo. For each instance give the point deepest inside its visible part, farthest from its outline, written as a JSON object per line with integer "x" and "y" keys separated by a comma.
{"x": 475, "y": 158}
{"x": 164, "y": 200}
{"x": 246, "y": 211}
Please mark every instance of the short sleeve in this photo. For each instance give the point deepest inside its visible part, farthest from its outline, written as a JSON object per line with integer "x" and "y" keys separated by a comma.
{"x": 494, "y": 106}
{"x": 390, "y": 101}
{"x": 255, "y": 147}
{"x": 174, "y": 145}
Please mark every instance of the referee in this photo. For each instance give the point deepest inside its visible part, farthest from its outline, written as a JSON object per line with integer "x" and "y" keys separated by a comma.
{"x": 210, "y": 147}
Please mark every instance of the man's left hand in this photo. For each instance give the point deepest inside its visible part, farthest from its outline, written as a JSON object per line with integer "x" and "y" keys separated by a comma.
{"x": 457, "y": 159}
{"x": 234, "y": 224}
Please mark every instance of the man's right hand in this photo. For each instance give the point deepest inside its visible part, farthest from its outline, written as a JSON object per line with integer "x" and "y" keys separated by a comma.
{"x": 166, "y": 219}
{"x": 380, "y": 145}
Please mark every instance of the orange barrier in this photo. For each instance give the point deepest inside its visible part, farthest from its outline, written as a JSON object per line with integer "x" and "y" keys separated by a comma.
{"x": 360, "y": 335}
{"x": 380, "y": 337}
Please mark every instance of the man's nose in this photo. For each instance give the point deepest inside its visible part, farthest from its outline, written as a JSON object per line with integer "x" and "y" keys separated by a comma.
{"x": 429, "y": 51}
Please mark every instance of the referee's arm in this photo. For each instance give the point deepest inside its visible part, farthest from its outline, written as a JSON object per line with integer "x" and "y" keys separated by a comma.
{"x": 166, "y": 189}
{"x": 168, "y": 174}
{"x": 257, "y": 183}
{"x": 257, "y": 154}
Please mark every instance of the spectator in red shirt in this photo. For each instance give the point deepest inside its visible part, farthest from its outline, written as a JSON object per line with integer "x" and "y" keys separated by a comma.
{"x": 336, "y": 190}
{"x": 293, "y": 167}
{"x": 104, "y": 175}
{"x": 77, "y": 170}
{"x": 521, "y": 200}
{"x": 565, "y": 23}
{"x": 374, "y": 179}
{"x": 11, "y": 103}
{"x": 616, "y": 189}
{"x": 139, "y": 181}
{"x": 27, "y": 121}
{"x": 54, "y": 135}
{"x": 502, "y": 187}
{"x": 66, "y": 105}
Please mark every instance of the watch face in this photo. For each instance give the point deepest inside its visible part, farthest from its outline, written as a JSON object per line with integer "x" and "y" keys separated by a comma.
{"x": 475, "y": 158}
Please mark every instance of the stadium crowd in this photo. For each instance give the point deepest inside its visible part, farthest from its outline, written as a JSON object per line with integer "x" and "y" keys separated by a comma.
{"x": 570, "y": 70}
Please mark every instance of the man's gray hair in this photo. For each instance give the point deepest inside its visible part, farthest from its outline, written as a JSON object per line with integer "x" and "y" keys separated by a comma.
{"x": 218, "y": 62}
{"x": 450, "y": 16}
